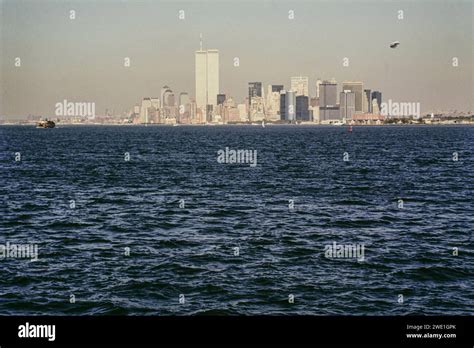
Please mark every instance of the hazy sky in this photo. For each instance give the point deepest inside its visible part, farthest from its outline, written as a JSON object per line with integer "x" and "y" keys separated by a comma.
{"x": 82, "y": 60}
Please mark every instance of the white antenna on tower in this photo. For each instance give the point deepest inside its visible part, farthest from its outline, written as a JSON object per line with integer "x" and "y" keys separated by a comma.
{"x": 200, "y": 41}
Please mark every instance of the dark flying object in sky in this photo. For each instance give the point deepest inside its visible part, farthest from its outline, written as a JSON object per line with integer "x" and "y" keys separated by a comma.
{"x": 394, "y": 44}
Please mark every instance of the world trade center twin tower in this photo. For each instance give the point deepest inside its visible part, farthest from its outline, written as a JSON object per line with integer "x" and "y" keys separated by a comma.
{"x": 207, "y": 77}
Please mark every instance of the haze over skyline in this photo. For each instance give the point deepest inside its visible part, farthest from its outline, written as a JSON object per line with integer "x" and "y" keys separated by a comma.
{"x": 82, "y": 59}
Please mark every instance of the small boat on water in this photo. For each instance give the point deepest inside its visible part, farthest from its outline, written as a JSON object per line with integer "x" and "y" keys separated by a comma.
{"x": 46, "y": 124}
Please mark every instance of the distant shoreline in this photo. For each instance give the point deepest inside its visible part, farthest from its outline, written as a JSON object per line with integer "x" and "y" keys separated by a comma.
{"x": 59, "y": 125}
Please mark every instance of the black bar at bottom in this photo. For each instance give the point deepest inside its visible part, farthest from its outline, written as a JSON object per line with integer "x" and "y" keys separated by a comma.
{"x": 407, "y": 330}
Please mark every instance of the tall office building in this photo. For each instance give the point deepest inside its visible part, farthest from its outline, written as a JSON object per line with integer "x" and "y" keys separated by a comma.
{"x": 288, "y": 105}
{"x": 184, "y": 98}
{"x": 169, "y": 99}
{"x": 375, "y": 107}
{"x": 207, "y": 77}
{"x": 314, "y": 113}
{"x": 212, "y": 76}
{"x": 328, "y": 109}
{"x": 165, "y": 90}
{"x": 209, "y": 112}
{"x": 302, "y": 108}
{"x": 193, "y": 111}
{"x": 318, "y": 83}
{"x": 268, "y": 101}
{"x": 144, "y": 110}
{"x": 272, "y": 102}
{"x": 257, "y": 109}
{"x": 378, "y": 97}
{"x": 184, "y": 108}
{"x": 291, "y": 105}
{"x": 155, "y": 102}
{"x": 347, "y": 105}
{"x": 153, "y": 111}
{"x": 255, "y": 90}
{"x": 299, "y": 84}
{"x": 327, "y": 94}
{"x": 357, "y": 88}
{"x": 367, "y": 102}
{"x": 201, "y": 79}
{"x": 283, "y": 105}
{"x": 220, "y": 99}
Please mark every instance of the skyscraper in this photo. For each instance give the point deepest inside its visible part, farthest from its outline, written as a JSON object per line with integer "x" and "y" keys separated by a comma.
{"x": 212, "y": 76}
{"x": 328, "y": 109}
{"x": 255, "y": 90}
{"x": 302, "y": 108}
{"x": 357, "y": 88}
{"x": 367, "y": 105}
{"x": 283, "y": 105}
{"x": 169, "y": 99}
{"x": 155, "y": 102}
{"x": 299, "y": 84}
{"x": 272, "y": 104}
{"x": 318, "y": 83}
{"x": 290, "y": 104}
{"x": 375, "y": 107}
{"x": 201, "y": 79}
{"x": 207, "y": 77}
{"x": 144, "y": 110}
{"x": 378, "y": 97}
{"x": 184, "y": 98}
{"x": 257, "y": 109}
{"x": 164, "y": 91}
{"x": 184, "y": 108}
{"x": 327, "y": 94}
{"x": 220, "y": 99}
{"x": 347, "y": 105}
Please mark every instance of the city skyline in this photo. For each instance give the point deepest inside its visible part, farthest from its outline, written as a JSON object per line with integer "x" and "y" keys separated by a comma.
{"x": 77, "y": 67}
{"x": 278, "y": 105}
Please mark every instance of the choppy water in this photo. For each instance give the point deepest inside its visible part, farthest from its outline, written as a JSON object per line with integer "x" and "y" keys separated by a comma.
{"x": 190, "y": 250}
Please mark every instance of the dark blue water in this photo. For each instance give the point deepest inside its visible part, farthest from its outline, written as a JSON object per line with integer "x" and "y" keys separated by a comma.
{"x": 190, "y": 250}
